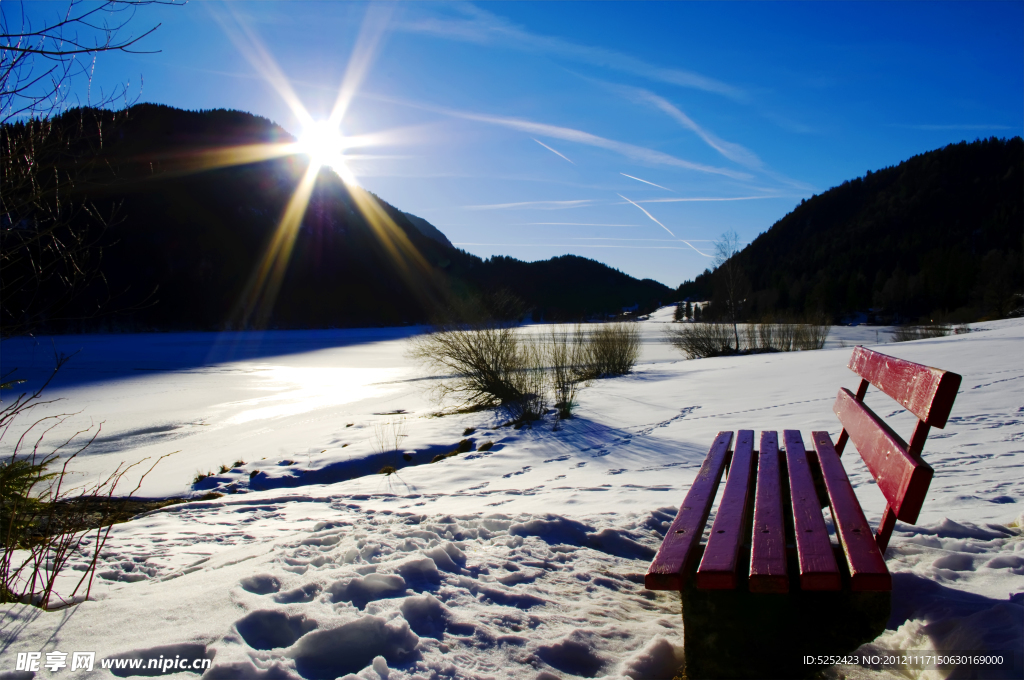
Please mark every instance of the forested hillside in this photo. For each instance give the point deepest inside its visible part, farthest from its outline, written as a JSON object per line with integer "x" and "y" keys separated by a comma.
{"x": 939, "y": 235}
{"x": 169, "y": 214}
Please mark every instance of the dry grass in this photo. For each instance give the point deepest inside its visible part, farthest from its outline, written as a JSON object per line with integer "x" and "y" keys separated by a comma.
{"x": 387, "y": 436}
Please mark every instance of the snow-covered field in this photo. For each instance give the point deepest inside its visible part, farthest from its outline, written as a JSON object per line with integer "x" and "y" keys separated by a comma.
{"x": 525, "y": 560}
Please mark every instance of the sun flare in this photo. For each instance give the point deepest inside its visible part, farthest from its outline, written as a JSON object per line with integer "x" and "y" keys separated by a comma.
{"x": 325, "y": 145}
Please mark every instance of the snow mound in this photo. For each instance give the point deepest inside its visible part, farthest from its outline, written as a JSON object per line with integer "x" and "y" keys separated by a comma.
{"x": 269, "y": 629}
{"x": 351, "y": 647}
{"x": 563, "y": 531}
{"x": 362, "y": 591}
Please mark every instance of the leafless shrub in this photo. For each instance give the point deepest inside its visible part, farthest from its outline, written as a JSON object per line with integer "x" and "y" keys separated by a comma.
{"x": 613, "y": 349}
{"x": 699, "y": 340}
{"x": 43, "y": 523}
{"x": 812, "y": 334}
{"x": 775, "y": 336}
{"x": 530, "y": 382}
{"x": 570, "y": 369}
{"x": 486, "y": 365}
{"x": 907, "y": 333}
{"x": 479, "y": 362}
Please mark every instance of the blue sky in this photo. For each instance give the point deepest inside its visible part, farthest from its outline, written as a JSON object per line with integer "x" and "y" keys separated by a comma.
{"x": 631, "y": 133}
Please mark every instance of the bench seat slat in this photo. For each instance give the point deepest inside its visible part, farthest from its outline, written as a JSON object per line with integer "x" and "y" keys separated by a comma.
{"x": 768, "y": 554}
{"x": 926, "y": 392}
{"x": 717, "y": 569}
{"x": 863, "y": 558}
{"x": 818, "y": 568}
{"x": 902, "y": 480}
{"x": 680, "y": 545}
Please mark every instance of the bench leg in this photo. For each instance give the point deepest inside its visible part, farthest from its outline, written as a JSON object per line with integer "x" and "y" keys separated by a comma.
{"x": 739, "y": 634}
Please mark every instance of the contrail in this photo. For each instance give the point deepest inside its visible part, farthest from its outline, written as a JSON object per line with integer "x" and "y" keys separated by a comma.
{"x": 649, "y": 215}
{"x": 645, "y": 181}
{"x": 552, "y": 150}
{"x": 580, "y": 245}
{"x": 545, "y": 205}
{"x": 663, "y": 226}
{"x": 710, "y": 198}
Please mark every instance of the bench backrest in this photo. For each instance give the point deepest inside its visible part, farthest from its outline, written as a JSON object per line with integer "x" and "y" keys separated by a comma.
{"x": 928, "y": 393}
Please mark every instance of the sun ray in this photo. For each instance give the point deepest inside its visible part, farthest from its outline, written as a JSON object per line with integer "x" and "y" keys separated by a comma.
{"x": 325, "y": 145}
{"x": 265, "y": 282}
{"x": 375, "y": 23}
{"x": 252, "y": 48}
{"x": 198, "y": 160}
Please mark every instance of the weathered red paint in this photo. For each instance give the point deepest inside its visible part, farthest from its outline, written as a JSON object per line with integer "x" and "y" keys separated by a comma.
{"x": 667, "y": 571}
{"x": 862, "y": 389}
{"x": 768, "y": 552}
{"x": 926, "y": 392}
{"x": 818, "y": 569}
{"x": 902, "y": 477}
{"x": 902, "y": 480}
{"x": 717, "y": 570}
{"x": 863, "y": 558}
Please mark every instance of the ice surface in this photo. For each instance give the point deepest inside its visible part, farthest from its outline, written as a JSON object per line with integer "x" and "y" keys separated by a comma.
{"x": 524, "y": 561}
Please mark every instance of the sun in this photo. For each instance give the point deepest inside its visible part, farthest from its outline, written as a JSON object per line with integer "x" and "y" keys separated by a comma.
{"x": 325, "y": 145}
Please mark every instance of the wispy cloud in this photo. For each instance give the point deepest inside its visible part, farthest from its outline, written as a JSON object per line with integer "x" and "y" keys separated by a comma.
{"x": 734, "y": 152}
{"x": 700, "y": 199}
{"x": 573, "y": 224}
{"x": 645, "y": 181}
{"x": 659, "y": 240}
{"x": 582, "y": 245}
{"x": 485, "y": 28}
{"x": 553, "y": 151}
{"x": 544, "y": 205}
{"x": 631, "y": 151}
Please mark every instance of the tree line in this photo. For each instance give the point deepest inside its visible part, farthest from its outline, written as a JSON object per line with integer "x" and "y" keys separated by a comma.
{"x": 937, "y": 237}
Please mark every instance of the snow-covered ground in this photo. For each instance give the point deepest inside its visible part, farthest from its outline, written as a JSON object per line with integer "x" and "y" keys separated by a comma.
{"x": 525, "y": 560}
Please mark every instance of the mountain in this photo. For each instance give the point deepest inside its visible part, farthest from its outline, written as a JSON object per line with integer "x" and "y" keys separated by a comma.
{"x": 428, "y": 229}
{"x": 175, "y": 212}
{"x": 938, "y": 236}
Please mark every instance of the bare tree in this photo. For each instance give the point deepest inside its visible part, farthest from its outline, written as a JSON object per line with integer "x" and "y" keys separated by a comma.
{"x": 41, "y": 61}
{"x": 49, "y": 236}
{"x": 730, "y": 278}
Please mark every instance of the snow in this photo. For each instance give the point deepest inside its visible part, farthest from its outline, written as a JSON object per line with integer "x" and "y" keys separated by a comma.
{"x": 525, "y": 560}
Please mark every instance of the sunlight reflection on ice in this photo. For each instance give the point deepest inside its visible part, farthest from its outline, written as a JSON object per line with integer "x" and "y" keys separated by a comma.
{"x": 300, "y": 389}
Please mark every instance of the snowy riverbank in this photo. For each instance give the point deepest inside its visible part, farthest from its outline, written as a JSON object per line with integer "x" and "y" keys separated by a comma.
{"x": 520, "y": 561}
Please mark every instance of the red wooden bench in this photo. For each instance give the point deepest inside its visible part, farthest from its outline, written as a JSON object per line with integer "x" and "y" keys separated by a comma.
{"x": 769, "y": 586}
